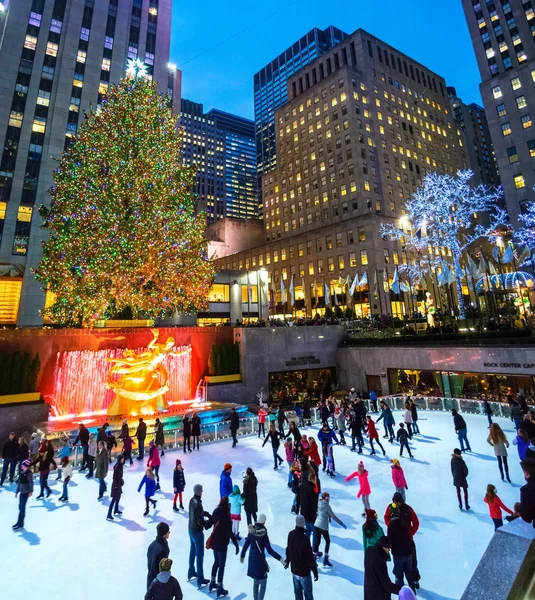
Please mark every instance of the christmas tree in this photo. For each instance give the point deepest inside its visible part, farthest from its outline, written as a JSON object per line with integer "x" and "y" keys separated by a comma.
{"x": 122, "y": 222}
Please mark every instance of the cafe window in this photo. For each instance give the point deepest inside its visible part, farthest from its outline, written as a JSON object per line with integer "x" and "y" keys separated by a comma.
{"x": 219, "y": 292}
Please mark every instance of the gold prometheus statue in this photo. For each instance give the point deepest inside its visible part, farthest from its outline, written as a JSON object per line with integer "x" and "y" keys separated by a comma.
{"x": 142, "y": 379}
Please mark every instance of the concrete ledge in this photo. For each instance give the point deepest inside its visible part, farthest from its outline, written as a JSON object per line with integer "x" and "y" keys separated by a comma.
{"x": 213, "y": 379}
{"x": 20, "y": 398}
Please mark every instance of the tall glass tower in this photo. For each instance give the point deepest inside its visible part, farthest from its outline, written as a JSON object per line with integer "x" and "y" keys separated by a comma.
{"x": 270, "y": 91}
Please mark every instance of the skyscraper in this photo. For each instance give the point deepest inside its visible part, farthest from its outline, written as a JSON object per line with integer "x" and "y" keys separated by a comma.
{"x": 474, "y": 132}
{"x": 222, "y": 147}
{"x": 503, "y": 34}
{"x": 270, "y": 90}
{"x": 58, "y": 57}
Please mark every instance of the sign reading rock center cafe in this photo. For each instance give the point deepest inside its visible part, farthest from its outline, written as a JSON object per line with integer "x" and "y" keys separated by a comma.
{"x": 505, "y": 365}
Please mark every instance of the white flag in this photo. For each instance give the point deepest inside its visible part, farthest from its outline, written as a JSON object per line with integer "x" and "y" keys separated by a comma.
{"x": 354, "y": 284}
{"x": 334, "y": 296}
{"x": 394, "y": 286}
{"x": 524, "y": 255}
{"x": 472, "y": 268}
{"x": 375, "y": 285}
{"x": 327, "y": 294}
{"x": 292, "y": 292}
{"x": 364, "y": 280}
{"x": 304, "y": 290}
{"x": 283, "y": 291}
{"x": 316, "y": 291}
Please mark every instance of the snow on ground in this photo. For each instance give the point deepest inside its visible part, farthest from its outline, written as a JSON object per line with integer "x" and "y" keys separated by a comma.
{"x": 72, "y": 550}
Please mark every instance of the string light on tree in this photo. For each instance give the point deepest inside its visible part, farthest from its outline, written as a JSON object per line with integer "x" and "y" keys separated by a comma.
{"x": 122, "y": 222}
{"x": 447, "y": 213}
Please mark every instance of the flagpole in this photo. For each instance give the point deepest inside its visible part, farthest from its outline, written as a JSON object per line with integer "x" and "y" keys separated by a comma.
{"x": 379, "y": 294}
{"x": 369, "y": 294}
{"x": 248, "y": 298}
{"x": 520, "y": 292}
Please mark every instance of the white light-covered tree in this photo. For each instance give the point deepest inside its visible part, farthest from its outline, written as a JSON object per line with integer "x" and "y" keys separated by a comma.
{"x": 526, "y": 235}
{"x": 446, "y": 211}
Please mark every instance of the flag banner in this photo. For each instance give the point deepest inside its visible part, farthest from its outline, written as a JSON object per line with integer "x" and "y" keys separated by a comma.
{"x": 334, "y": 296}
{"x": 375, "y": 286}
{"x": 364, "y": 280}
{"x": 507, "y": 255}
{"x": 496, "y": 254}
{"x": 394, "y": 286}
{"x": 327, "y": 294}
{"x": 316, "y": 291}
{"x": 482, "y": 265}
{"x": 472, "y": 268}
{"x": 347, "y": 280}
{"x": 524, "y": 255}
{"x": 292, "y": 292}
{"x": 354, "y": 284}
{"x": 304, "y": 290}
{"x": 386, "y": 284}
{"x": 283, "y": 291}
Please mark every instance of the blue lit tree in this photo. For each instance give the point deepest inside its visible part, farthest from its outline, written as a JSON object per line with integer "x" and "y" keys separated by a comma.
{"x": 526, "y": 235}
{"x": 446, "y": 211}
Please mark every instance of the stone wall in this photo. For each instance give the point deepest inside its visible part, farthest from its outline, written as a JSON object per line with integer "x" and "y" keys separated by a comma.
{"x": 22, "y": 418}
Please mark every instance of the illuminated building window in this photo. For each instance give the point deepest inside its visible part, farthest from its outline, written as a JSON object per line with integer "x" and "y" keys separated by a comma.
{"x": 526, "y": 121}
{"x": 15, "y": 119}
{"x": 363, "y": 257}
{"x": 512, "y": 155}
{"x": 519, "y": 182}
{"x": 506, "y": 129}
{"x": 219, "y": 292}
{"x": 497, "y": 92}
{"x": 10, "y": 289}
{"x": 30, "y": 42}
{"x": 521, "y": 102}
{"x": 81, "y": 56}
{"x": 52, "y": 49}
{"x": 39, "y": 125}
{"x": 516, "y": 84}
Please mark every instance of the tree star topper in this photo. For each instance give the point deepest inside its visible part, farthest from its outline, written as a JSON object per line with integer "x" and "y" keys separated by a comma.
{"x": 136, "y": 68}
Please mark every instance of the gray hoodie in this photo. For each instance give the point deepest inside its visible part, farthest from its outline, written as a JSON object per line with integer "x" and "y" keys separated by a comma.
{"x": 324, "y": 512}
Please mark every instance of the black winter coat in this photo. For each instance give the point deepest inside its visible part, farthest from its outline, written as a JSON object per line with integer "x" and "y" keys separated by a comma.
{"x": 296, "y": 435}
{"x": 275, "y": 441}
{"x": 414, "y": 412}
{"x": 459, "y": 422}
{"x": 196, "y": 426}
{"x": 159, "y": 437}
{"x": 377, "y": 584}
{"x": 527, "y": 501}
{"x": 234, "y": 422}
{"x": 459, "y": 470}
{"x": 186, "y": 427}
{"x": 117, "y": 481}
{"x": 157, "y": 550}
{"x": 516, "y": 412}
{"x": 141, "y": 431}
{"x": 82, "y": 437}
{"x": 164, "y": 590}
{"x": 250, "y": 483}
{"x": 257, "y": 542}
{"x": 179, "y": 480}
{"x": 400, "y": 538}
{"x": 299, "y": 553}
{"x": 23, "y": 452}
{"x": 222, "y": 531}
{"x": 308, "y": 501}
{"x": 11, "y": 449}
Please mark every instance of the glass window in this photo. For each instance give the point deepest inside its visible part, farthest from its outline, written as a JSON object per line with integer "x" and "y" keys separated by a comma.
{"x": 15, "y": 119}
{"x": 39, "y": 125}
{"x": 338, "y": 240}
{"x": 81, "y": 56}
{"x": 506, "y": 129}
{"x": 531, "y": 148}
{"x": 363, "y": 257}
{"x": 516, "y": 83}
{"x": 24, "y": 214}
{"x": 512, "y": 154}
{"x": 521, "y": 102}
{"x": 352, "y": 259}
{"x": 330, "y": 264}
{"x": 254, "y": 293}
{"x": 349, "y": 235}
{"x": 519, "y": 182}
{"x": 501, "y": 110}
{"x": 52, "y": 49}
{"x": 341, "y": 262}
{"x": 219, "y": 292}
{"x": 310, "y": 268}
{"x": 362, "y": 235}
{"x": 526, "y": 121}
{"x": 497, "y": 92}
{"x": 30, "y": 42}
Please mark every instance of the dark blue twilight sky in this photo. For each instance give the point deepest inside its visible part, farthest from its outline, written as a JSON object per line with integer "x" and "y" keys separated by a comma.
{"x": 433, "y": 32}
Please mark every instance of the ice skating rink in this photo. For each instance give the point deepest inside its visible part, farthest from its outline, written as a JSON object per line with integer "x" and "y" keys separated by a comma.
{"x": 72, "y": 551}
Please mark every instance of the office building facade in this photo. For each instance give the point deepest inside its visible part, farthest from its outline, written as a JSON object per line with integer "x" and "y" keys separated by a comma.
{"x": 222, "y": 146}
{"x": 270, "y": 91}
{"x": 473, "y": 129}
{"x": 362, "y": 126}
{"x": 502, "y": 34}
{"x": 58, "y": 57}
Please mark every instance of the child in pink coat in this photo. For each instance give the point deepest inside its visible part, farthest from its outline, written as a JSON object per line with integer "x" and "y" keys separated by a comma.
{"x": 365, "y": 490}
{"x": 398, "y": 477}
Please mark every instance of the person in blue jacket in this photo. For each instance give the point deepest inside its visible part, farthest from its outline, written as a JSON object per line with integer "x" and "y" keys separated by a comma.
{"x": 258, "y": 542}
{"x": 225, "y": 481}
{"x": 149, "y": 481}
{"x": 388, "y": 417}
{"x": 326, "y": 436}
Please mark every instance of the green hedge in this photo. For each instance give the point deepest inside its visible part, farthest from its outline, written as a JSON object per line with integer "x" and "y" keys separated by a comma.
{"x": 224, "y": 359}
{"x": 19, "y": 373}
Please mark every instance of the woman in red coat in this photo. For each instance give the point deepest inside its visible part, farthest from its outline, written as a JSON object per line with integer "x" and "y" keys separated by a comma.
{"x": 154, "y": 461}
{"x": 495, "y": 506}
{"x": 313, "y": 452}
{"x": 373, "y": 435}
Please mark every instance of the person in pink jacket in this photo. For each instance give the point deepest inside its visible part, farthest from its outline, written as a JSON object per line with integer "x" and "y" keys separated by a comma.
{"x": 365, "y": 490}
{"x": 154, "y": 462}
{"x": 398, "y": 477}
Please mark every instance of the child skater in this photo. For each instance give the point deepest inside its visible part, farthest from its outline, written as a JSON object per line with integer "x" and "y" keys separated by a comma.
{"x": 398, "y": 477}
{"x": 495, "y": 506}
{"x": 373, "y": 435}
{"x": 64, "y": 451}
{"x": 403, "y": 438}
{"x": 365, "y": 489}
{"x": 67, "y": 472}
{"x": 127, "y": 448}
{"x": 330, "y": 461}
{"x": 149, "y": 481}
{"x": 179, "y": 483}
{"x": 236, "y": 502}
{"x": 296, "y": 476}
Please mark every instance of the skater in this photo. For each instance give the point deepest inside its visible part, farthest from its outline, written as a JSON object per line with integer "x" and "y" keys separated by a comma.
{"x": 10, "y": 453}
{"x": 487, "y": 410}
{"x": 83, "y": 438}
{"x": 91, "y": 455}
{"x": 124, "y": 429}
{"x": 460, "y": 429}
{"x": 398, "y": 478}
{"x": 154, "y": 462}
{"x": 199, "y": 520}
{"x": 23, "y": 452}
{"x": 281, "y": 419}
{"x": 159, "y": 438}
{"x": 372, "y": 532}
{"x": 222, "y": 534}
{"x": 186, "y": 432}
{"x": 495, "y": 506}
{"x": 101, "y": 471}
{"x": 300, "y": 559}
{"x": 341, "y": 423}
{"x": 225, "y": 481}
{"x": 234, "y": 426}
{"x": 364, "y": 485}
{"x": 308, "y": 499}
{"x": 149, "y": 481}
{"x": 116, "y": 488}
{"x": 128, "y": 443}
{"x": 262, "y": 414}
{"x": 236, "y": 502}
{"x": 290, "y": 457}
{"x": 326, "y": 436}
{"x": 44, "y": 460}
{"x": 356, "y": 427}
{"x": 313, "y": 452}
{"x": 111, "y": 443}
{"x": 157, "y": 550}
{"x": 373, "y": 399}
{"x": 389, "y": 421}
{"x": 294, "y": 432}
{"x": 164, "y": 586}
{"x": 414, "y": 412}
{"x": 65, "y": 450}
{"x": 275, "y": 443}
{"x": 179, "y": 484}
{"x": 299, "y": 414}
{"x": 35, "y": 442}
{"x": 407, "y": 418}
{"x": 101, "y": 435}
{"x": 196, "y": 430}
{"x": 403, "y": 438}
{"x": 516, "y": 414}
{"x": 401, "y": 540}
{"x": 377, "y": 584}
{"x": 25, "y": 490}
{"x": 527, "y": 492}
{"x": 459, "y": 470}
{"x": 141, "y": 434}
{"x": 296, "y": 480}
{"x": 522, "y": 443}
{"x": 249, "y": 495}
{"x": 500, "y": 444}
{"x": 330, "y": 460}
{"x": 258, "y": 542}
{"x": 67, "y": 473}
{"x": 307, "y": 413}
{"x": 373, "y": 434}
{"x": 321, "y": 527}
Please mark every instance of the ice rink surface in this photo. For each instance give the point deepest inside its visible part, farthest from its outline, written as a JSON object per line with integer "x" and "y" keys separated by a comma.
{"x": 72, "y": 551}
